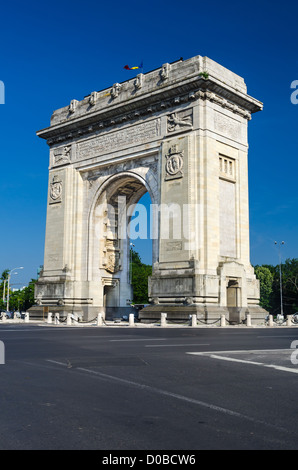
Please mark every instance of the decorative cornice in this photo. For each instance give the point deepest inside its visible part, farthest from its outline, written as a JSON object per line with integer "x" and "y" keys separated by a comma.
{"x": 213, "y": 97}
{"x": 138, "y": 113}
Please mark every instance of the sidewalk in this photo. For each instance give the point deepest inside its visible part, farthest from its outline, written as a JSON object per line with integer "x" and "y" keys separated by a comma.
{"x": 125, "y": 324}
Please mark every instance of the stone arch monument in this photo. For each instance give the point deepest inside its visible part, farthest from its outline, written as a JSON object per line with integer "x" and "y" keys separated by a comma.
{"x": 180, "y": 133}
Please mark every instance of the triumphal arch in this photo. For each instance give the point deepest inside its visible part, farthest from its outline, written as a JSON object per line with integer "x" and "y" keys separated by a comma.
{"x": 179, "y": 133}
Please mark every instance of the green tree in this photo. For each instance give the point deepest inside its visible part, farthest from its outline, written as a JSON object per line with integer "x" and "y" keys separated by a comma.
{"x": 266, "y": 279}
{"x": 3, "y": 278}
{"x": 28, "y": 295}
{"x": 289, "y": 275}
{"x": 140, "y": 274}
{"x": 290, "y": 285}
{"x": 20, "y": 299}
{"x": 16, "y": 300}
{"x": 4, "y": 274}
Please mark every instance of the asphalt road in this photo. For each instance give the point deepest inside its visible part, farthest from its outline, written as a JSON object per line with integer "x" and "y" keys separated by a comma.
{"x": 120, "y": 388}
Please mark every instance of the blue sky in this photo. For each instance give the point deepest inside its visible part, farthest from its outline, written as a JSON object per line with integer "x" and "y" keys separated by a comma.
{"x": 62, "y": 50}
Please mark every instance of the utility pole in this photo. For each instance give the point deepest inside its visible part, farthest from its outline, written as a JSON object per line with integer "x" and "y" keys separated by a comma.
{"x": 4, "y": 285}
{"x": 130, "y": 263}
{"x": 8, "y": 280}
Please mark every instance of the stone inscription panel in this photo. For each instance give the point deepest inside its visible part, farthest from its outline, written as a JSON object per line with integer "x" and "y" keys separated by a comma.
{"x": 227, "y": 126}
{"x": 172, "y": 286}
{"x": 118, "y": 139}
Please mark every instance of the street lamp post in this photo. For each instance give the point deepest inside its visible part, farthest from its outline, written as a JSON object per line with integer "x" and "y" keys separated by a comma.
{"x": 280, "y": 280}
{"x": 130, "y": 263}
{"x": 4, "y": 289}
{"x": 8, "y": 280}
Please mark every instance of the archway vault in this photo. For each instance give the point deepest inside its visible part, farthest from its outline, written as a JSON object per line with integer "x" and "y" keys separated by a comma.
{"x": 111, "y": 209}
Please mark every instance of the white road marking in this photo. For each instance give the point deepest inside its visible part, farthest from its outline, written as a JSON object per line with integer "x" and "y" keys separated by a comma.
{"x": 176, "y": 396}
{"x": 181, "y": 398}
{"x": 243, "y": 361}
{"x": 232, "y": 359}
{"x": 240, "y": 351}
{"x": 17, "y": 330}
{"x": 137, "y": 339}
{"x": 278, "y": 337}
{"x": 174, "y": 345}
{"x": 56, "y": 362}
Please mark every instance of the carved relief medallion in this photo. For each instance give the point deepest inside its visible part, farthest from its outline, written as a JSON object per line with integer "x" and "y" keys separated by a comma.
{"x": 55, "y": 190}
{"x": 174, "y": 163}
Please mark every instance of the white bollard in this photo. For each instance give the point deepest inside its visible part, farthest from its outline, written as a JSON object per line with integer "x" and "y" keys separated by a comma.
{"x": 163, "y": 319}
{"x": 99, "y": 319}
{"x": 222, "y": 320}
{"x": 270, "y": 323}
{"x": 68, "y": 319}
{"x": 57, "y": 318}
{"x": 131, "y": 319}
{"x": 289, "y": 320}
{"x": 194, "y": 320}
{"x": 3, "y": 316}
{"x": 49, "y": 317}
{"x": 248, "y": 319}
{"x": 26, "y": 317}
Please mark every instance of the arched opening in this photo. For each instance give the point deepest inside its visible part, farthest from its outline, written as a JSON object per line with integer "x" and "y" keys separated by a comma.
{"x": 120, "y": 222}
{"x": 141, "y": 252}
